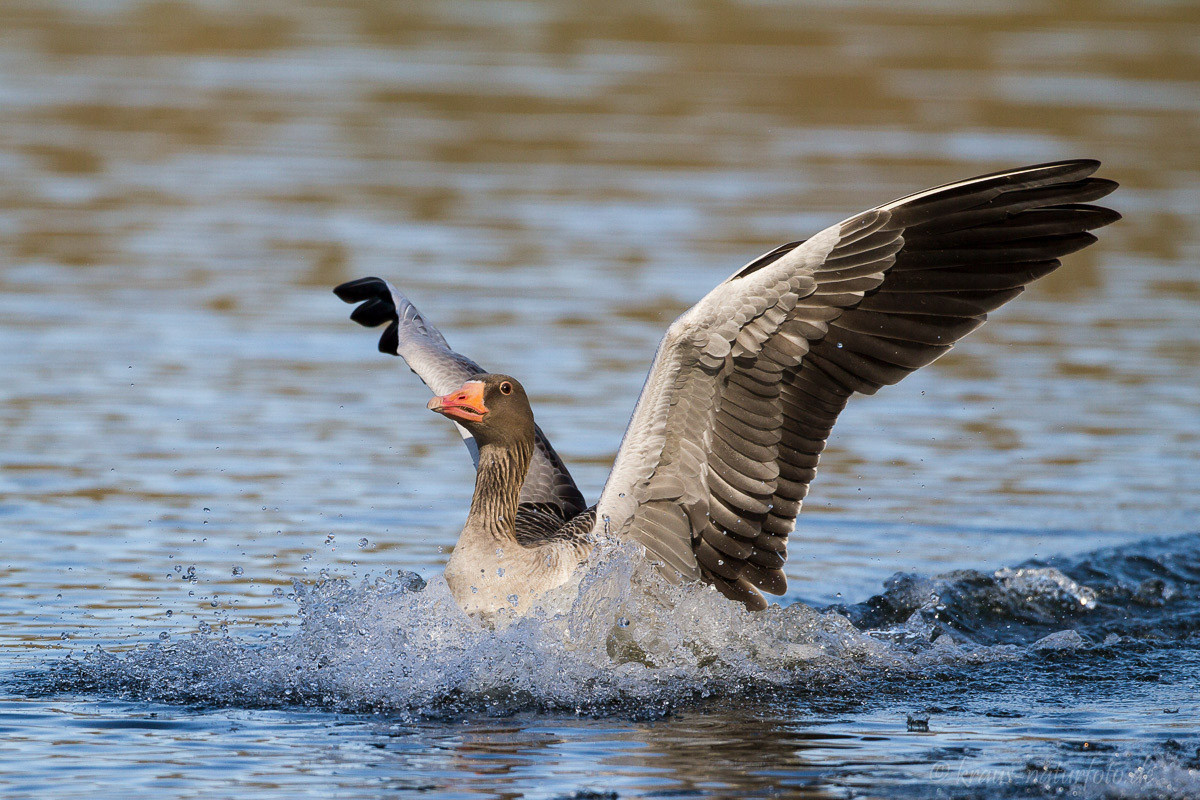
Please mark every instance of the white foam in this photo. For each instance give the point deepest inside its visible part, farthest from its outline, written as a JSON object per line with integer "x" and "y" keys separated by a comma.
{"x": 618, "y": 636}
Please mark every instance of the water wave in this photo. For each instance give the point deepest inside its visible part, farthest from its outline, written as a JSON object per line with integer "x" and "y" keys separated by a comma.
{"x": 620, "y": 639}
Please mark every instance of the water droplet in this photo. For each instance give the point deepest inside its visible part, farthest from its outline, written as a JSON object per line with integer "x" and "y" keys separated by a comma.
{"x": 207, "y": 510}
{"x": 237, "y": 571}
{"x": 623, "y": 622}
{"x": 500, "y": 572}
{"x": 474, "y": 590}
{"x": 170, "y": 612}
{"x": 839, "y": 345}
{"x": 363, "y": 542}
{"x": 277, "y": 591}
{"x": 164, "y": 636}
{"x": 513, "y": 600}
{"x": 213, "y": 602}
{"x": 64, "y": 635}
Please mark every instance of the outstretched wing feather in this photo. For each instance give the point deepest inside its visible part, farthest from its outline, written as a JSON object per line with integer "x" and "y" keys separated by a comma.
{"x": 749, "y": 382}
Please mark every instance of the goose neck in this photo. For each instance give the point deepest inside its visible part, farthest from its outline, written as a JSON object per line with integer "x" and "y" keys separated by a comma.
{"x": 498, "y": 484}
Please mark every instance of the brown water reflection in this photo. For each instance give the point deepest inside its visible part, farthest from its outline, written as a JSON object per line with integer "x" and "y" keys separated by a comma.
{"x": 552, "y": 182}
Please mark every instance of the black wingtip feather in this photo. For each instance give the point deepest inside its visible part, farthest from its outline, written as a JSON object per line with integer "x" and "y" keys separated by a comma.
{"x": 1072, "y": 169}
{"x": 373, "y": 312}
{"x": 362, "y": 289}
{"x": 1096, "y": 216}
{"x": 1095, "y": 188}
{"x": 377, "y": 308}
{"x": 390, "y": 341}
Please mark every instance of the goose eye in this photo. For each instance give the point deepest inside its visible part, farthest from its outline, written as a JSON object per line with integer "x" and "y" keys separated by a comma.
{"x": 506, "y": 388}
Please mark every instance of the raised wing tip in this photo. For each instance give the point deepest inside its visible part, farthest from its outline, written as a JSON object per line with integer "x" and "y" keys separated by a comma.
{"x": 378, "y": 307}
{"x": 361, "y": 289}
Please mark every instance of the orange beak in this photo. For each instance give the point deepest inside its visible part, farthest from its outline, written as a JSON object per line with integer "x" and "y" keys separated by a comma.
{"x": 465, "y": 404}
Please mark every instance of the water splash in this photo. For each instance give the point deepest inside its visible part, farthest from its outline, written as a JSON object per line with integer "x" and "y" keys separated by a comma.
{"x": 616, "y": 639}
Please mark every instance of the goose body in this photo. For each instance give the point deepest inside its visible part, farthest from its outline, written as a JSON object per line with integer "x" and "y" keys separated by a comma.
{"x": 745, "y": 387}
{"x": 509, "y": 552}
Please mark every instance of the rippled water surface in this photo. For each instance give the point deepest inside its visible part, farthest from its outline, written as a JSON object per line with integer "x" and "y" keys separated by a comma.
{"x": 223, "y": 513}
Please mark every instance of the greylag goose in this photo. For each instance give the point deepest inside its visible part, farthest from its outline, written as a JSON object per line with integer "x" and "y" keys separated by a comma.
{"x": 745, "y": 386}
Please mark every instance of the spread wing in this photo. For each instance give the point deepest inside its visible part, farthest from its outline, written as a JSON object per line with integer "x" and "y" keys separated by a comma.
{"x": 747, "y": 384}
{"x": 410, "y": 336}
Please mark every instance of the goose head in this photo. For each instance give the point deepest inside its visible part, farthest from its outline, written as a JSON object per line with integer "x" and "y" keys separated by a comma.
{"x": 493, "y": 408}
